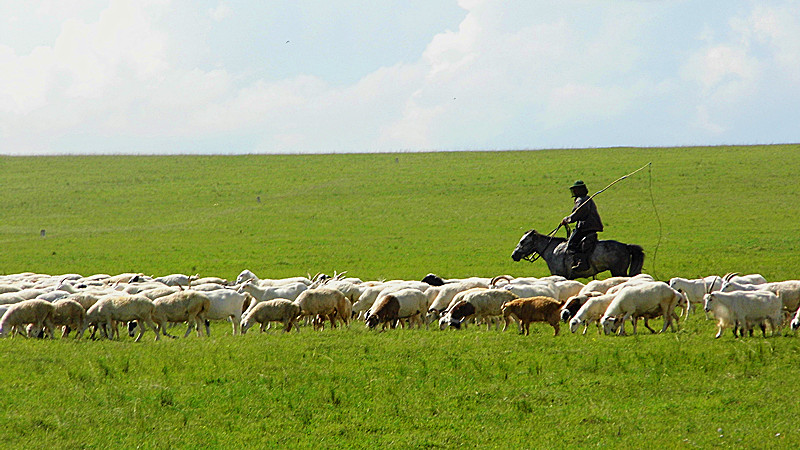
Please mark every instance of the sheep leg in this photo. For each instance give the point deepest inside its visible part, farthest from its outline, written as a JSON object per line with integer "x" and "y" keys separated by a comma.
{"x": 152, "y": 325}
{"x": 106, "y": 331}
{"x": 15, "y": 330}
{"x": 621, "y": 331}
{"x": 140, "y": 327}
{"x": 191, "y": 324}
{"x": 48, "y": 327}
{"x": 667, "y": 313}
{"x": 237, "y": 324}
{"x": 647, "y": 325}
{"x": 161, "y": 326}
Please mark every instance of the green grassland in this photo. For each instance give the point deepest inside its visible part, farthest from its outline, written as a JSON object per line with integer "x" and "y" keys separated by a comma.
{"x": 696, "y": 211}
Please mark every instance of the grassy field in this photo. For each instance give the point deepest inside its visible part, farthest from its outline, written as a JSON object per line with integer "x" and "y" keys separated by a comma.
{"x": 392, "y": 216}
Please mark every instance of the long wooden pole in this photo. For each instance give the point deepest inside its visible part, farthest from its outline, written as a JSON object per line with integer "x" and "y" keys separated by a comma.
{"x": 603, "y": 190}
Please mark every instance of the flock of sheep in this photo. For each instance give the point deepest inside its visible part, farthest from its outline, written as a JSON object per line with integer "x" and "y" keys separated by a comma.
{"x": 37, "y": 305}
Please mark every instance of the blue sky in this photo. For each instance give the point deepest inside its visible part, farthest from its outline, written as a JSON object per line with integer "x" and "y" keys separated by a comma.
{"x": 224, "y": 76}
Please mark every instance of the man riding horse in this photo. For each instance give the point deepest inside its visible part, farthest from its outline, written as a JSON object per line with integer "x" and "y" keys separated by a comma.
{"x": 588, "y": 224}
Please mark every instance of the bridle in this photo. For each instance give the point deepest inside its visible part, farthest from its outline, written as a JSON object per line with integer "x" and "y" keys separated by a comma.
{"x": 535, "y": 255}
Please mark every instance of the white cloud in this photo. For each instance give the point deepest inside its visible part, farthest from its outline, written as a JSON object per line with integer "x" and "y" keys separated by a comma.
{"x": 220, "y": 13}
{"x": 512, "y": 74}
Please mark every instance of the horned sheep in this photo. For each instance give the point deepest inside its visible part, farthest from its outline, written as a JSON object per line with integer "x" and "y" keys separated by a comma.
{"x": 696, "y": 289}
{"x": 742, "y": 309}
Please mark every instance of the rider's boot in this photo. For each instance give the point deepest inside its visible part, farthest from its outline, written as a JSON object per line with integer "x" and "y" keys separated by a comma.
{"x": 579, "y": 263}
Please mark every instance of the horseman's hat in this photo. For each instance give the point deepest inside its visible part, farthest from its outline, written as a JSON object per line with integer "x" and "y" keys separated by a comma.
{"x": 578, "y": 184}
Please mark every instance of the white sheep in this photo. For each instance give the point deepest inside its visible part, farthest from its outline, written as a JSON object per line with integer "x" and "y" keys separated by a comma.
{"x": 276, "y": 310}
{"x": 324, "y": 302}
{"x": 23, "y": 294}
{"x": 176, "y": 279}
{"x": 742, "y": 309}
{"x": 18, "y": 315}
{"x": 696, "y": 289}
{"x": 185, "y": 306}
{"x": 125, "y": 278}
{"x": 121, "y": 308}
{"x": 85, "y": 299}
{"x": 539, "y": 289}
{"x": 160, "y": 291}
{"x": 574, "y": 303}
{"x": 227, "y": 304}
{"x": 412, "y": 304}
{"x": 367, "y": 298}
{"x": 479, "y": 303}
{"x": 788, "y": 291}
{"x": 642, "y": 278}
{"x": 445, "y": 294}
{"x": 209, "y": 280}
{"x": 70, "y": 315}
{"x": 641, "y": 300}
{"x": 260, "y": 294}
{"x": 567, "y": 288}
{"x": 374, "y": 292}
{"x": 602, "y": 286}
{"x": 247, "y": 275}
{"x": 6, "y": 288}
{"x": 592, "y": 311}
{"x": 53, "y": 296}
{"x": 351, "y": 290}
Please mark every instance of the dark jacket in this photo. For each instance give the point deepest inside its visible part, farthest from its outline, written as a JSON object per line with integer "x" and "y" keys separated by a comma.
{"x": 587, "y": 217}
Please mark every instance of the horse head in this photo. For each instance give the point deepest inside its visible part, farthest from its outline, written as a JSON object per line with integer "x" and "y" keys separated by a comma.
{"x": 526, "y": 246}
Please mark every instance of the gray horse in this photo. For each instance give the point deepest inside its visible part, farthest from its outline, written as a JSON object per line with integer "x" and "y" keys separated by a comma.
{"x": 621, "y": 259}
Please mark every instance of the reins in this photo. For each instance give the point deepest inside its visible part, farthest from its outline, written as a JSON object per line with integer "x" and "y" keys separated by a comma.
{"x": 536, "y": 255}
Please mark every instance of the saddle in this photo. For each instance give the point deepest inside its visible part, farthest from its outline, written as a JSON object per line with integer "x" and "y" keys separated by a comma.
{"x": 588, "y": 244}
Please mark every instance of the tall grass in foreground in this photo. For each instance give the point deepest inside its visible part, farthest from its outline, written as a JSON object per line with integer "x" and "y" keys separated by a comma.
{"x": 403, "y": 388}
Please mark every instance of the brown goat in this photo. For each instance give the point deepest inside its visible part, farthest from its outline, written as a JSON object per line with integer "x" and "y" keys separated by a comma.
{"x": 534, "y": 309}
{"x": 386, "y": 311}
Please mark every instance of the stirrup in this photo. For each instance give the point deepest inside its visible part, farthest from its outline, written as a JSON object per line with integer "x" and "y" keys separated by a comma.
{"x": 579, "y": 266}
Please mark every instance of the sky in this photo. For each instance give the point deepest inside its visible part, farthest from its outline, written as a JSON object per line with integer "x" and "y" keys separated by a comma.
{"x": 332, "y": 76}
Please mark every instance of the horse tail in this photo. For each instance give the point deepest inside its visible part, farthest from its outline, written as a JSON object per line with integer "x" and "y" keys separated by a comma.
{"x": 637, "y": 259}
